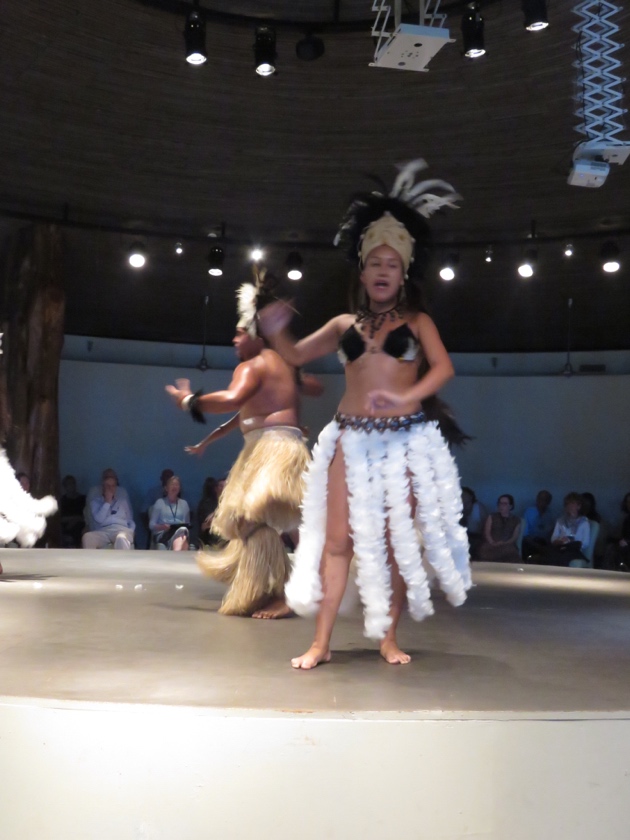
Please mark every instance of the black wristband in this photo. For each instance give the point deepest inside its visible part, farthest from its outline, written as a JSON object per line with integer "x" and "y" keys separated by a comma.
{"x": 193, "y": 407}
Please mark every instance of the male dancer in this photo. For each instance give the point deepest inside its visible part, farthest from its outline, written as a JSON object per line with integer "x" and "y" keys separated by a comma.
{"x": 263, "y": 493}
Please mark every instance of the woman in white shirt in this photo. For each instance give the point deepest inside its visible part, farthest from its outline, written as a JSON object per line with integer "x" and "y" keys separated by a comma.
{"x": 170, "y": 517}
{"x": 571, "y": 535}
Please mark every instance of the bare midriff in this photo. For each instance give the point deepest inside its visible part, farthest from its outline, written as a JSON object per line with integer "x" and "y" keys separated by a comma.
{"x": 373, "y": 371}
{"x": 283, "y": 417}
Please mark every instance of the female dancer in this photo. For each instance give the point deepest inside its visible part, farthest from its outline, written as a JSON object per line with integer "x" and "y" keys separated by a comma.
{"x": 381, "y": 469}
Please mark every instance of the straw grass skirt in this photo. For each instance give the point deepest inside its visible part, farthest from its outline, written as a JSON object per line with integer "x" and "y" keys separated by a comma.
{"x": 261, "y": 500}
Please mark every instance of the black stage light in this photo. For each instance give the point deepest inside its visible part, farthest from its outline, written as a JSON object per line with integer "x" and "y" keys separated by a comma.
{"x": 294, "y": 266}
{"x": 472, "y": 32}
{"x": 489, "y": 254}
{"x": 527, "y": 265}
{"x": 535, "y": 12}
{"x": 216, "y": 255}
{"x": 265, "y": 51}
{"x": 310, "y": 47}
{"x": 137, "y": 255}
{"x": 195, "y": 36}
{"x": 449, "y": 267}
{"x": 609, "y": 254}
{"x": 568, "y": 250}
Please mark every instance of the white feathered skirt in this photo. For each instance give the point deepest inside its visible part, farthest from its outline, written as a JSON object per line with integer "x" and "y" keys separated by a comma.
{"x": 383, "y": 470}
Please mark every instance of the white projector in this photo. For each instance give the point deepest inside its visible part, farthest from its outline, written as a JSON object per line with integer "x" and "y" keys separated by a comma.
{"x": 412, "y": 47}
{"x": 588, "y": 173}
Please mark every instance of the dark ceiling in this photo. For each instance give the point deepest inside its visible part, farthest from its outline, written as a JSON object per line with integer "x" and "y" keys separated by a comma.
{"x": 104, "y": 124}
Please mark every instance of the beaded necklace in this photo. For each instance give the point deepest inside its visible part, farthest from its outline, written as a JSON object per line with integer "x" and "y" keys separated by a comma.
{"x": 375, "y": 320}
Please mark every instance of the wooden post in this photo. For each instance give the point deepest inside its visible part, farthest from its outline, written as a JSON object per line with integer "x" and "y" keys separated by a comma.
{"x": 33, "y": 308}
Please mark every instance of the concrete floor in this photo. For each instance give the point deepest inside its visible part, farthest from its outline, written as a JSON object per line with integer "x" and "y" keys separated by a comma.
{"x": 142, "y": 627}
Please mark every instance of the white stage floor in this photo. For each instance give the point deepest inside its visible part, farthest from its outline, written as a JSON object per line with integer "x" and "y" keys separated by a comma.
{"x": 510, "y": 723}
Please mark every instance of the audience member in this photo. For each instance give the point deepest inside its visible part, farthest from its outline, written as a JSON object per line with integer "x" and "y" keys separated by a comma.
{"x": 617, "y": 556}
{"x": 170, "y": 517}
{"x": 113, "y": 518}
{"x": 589, "y": 510}
{"x": 158, "y": 491}
{"x": 539, "y": 523}
{"x": 589, "y": 507}
{"x": 97, "y": 491}
{"x": 571, "y": 535}
{"x": 501, "y": 532}
{"x": 473, "y": 519}
{"x": 71, "y": 507}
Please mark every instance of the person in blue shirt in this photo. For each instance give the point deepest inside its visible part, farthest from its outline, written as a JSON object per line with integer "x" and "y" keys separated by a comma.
{"x": 539, "y": 523}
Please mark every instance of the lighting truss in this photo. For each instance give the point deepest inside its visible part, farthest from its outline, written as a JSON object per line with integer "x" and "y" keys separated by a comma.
{"x": 404, "y": 46}
{"x": 600, "y": 88}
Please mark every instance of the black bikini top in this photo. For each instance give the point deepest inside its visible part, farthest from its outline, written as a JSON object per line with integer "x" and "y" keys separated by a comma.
{"x": 400, "y": 343}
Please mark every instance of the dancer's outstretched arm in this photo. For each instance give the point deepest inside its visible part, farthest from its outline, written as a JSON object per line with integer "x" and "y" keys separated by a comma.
{"x": 246, "y": 381}
{"x": 215, "y": 435}
{"x": 274, "y": 321}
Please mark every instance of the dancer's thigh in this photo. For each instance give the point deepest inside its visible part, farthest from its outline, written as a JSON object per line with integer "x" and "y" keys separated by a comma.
{"x": 338, "y": 538}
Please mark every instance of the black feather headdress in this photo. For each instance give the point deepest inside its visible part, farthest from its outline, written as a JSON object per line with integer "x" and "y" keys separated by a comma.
{"x": 411, "y": 203}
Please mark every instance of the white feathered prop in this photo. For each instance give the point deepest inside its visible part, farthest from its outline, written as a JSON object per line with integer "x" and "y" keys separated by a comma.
{"x": 22, "y": 517}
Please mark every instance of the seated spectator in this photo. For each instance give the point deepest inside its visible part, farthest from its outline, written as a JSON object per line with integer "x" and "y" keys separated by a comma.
{"x": 158, "y": 491}
{"x": 71, "y": 506}
{"x": 170, "y": 517}
{"x": 539, "y": 523}
{"x": 570, "y": 536}
{"x": 113, "y": 519}
{"x": 473, "y": 519}
{"x": 617, "y": 556}
{"x": 205, "y": 511}
{"x": 589, "y": 510}
{"x": 589, "y": 507}
{"x": 500, "y": 533}
{"x": 97, "y": 491}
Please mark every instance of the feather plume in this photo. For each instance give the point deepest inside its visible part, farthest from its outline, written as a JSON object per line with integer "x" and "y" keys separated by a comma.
{"x": 246, "y": 307}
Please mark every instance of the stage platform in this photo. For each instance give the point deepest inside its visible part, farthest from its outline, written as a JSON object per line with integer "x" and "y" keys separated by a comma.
{"x": 131, "y": 710}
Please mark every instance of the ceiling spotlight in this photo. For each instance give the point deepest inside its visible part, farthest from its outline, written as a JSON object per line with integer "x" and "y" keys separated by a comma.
{"x": 310, "y": 47}
{"x": 256, "y": 254}
{"x": 216, "y": 255}
{"x": 568, "y": 250}
{"x": 610, "y": 257}
{"x": 195, "y": 36}
{"x": 472, "y": 32}
{"x": 294, "y": 266}
{"x": 447, "y": 271}
{"x": 489, "y": 254}
{"x": 137, "y": 255}
{"x": 527, "y": 265}
{"x": 265, "y": 51}
{"x": 179, "y": 248}
{"x": 535, "y": 12}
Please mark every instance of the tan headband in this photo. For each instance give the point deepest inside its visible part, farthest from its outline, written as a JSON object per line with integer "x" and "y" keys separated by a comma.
{"x": 388, "y": 231}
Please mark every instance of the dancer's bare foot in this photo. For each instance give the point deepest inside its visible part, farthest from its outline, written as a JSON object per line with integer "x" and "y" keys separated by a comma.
{"x": 393, "y": 654}
{"x": 313, "y": 656}
{"x": 274, "y": 609}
